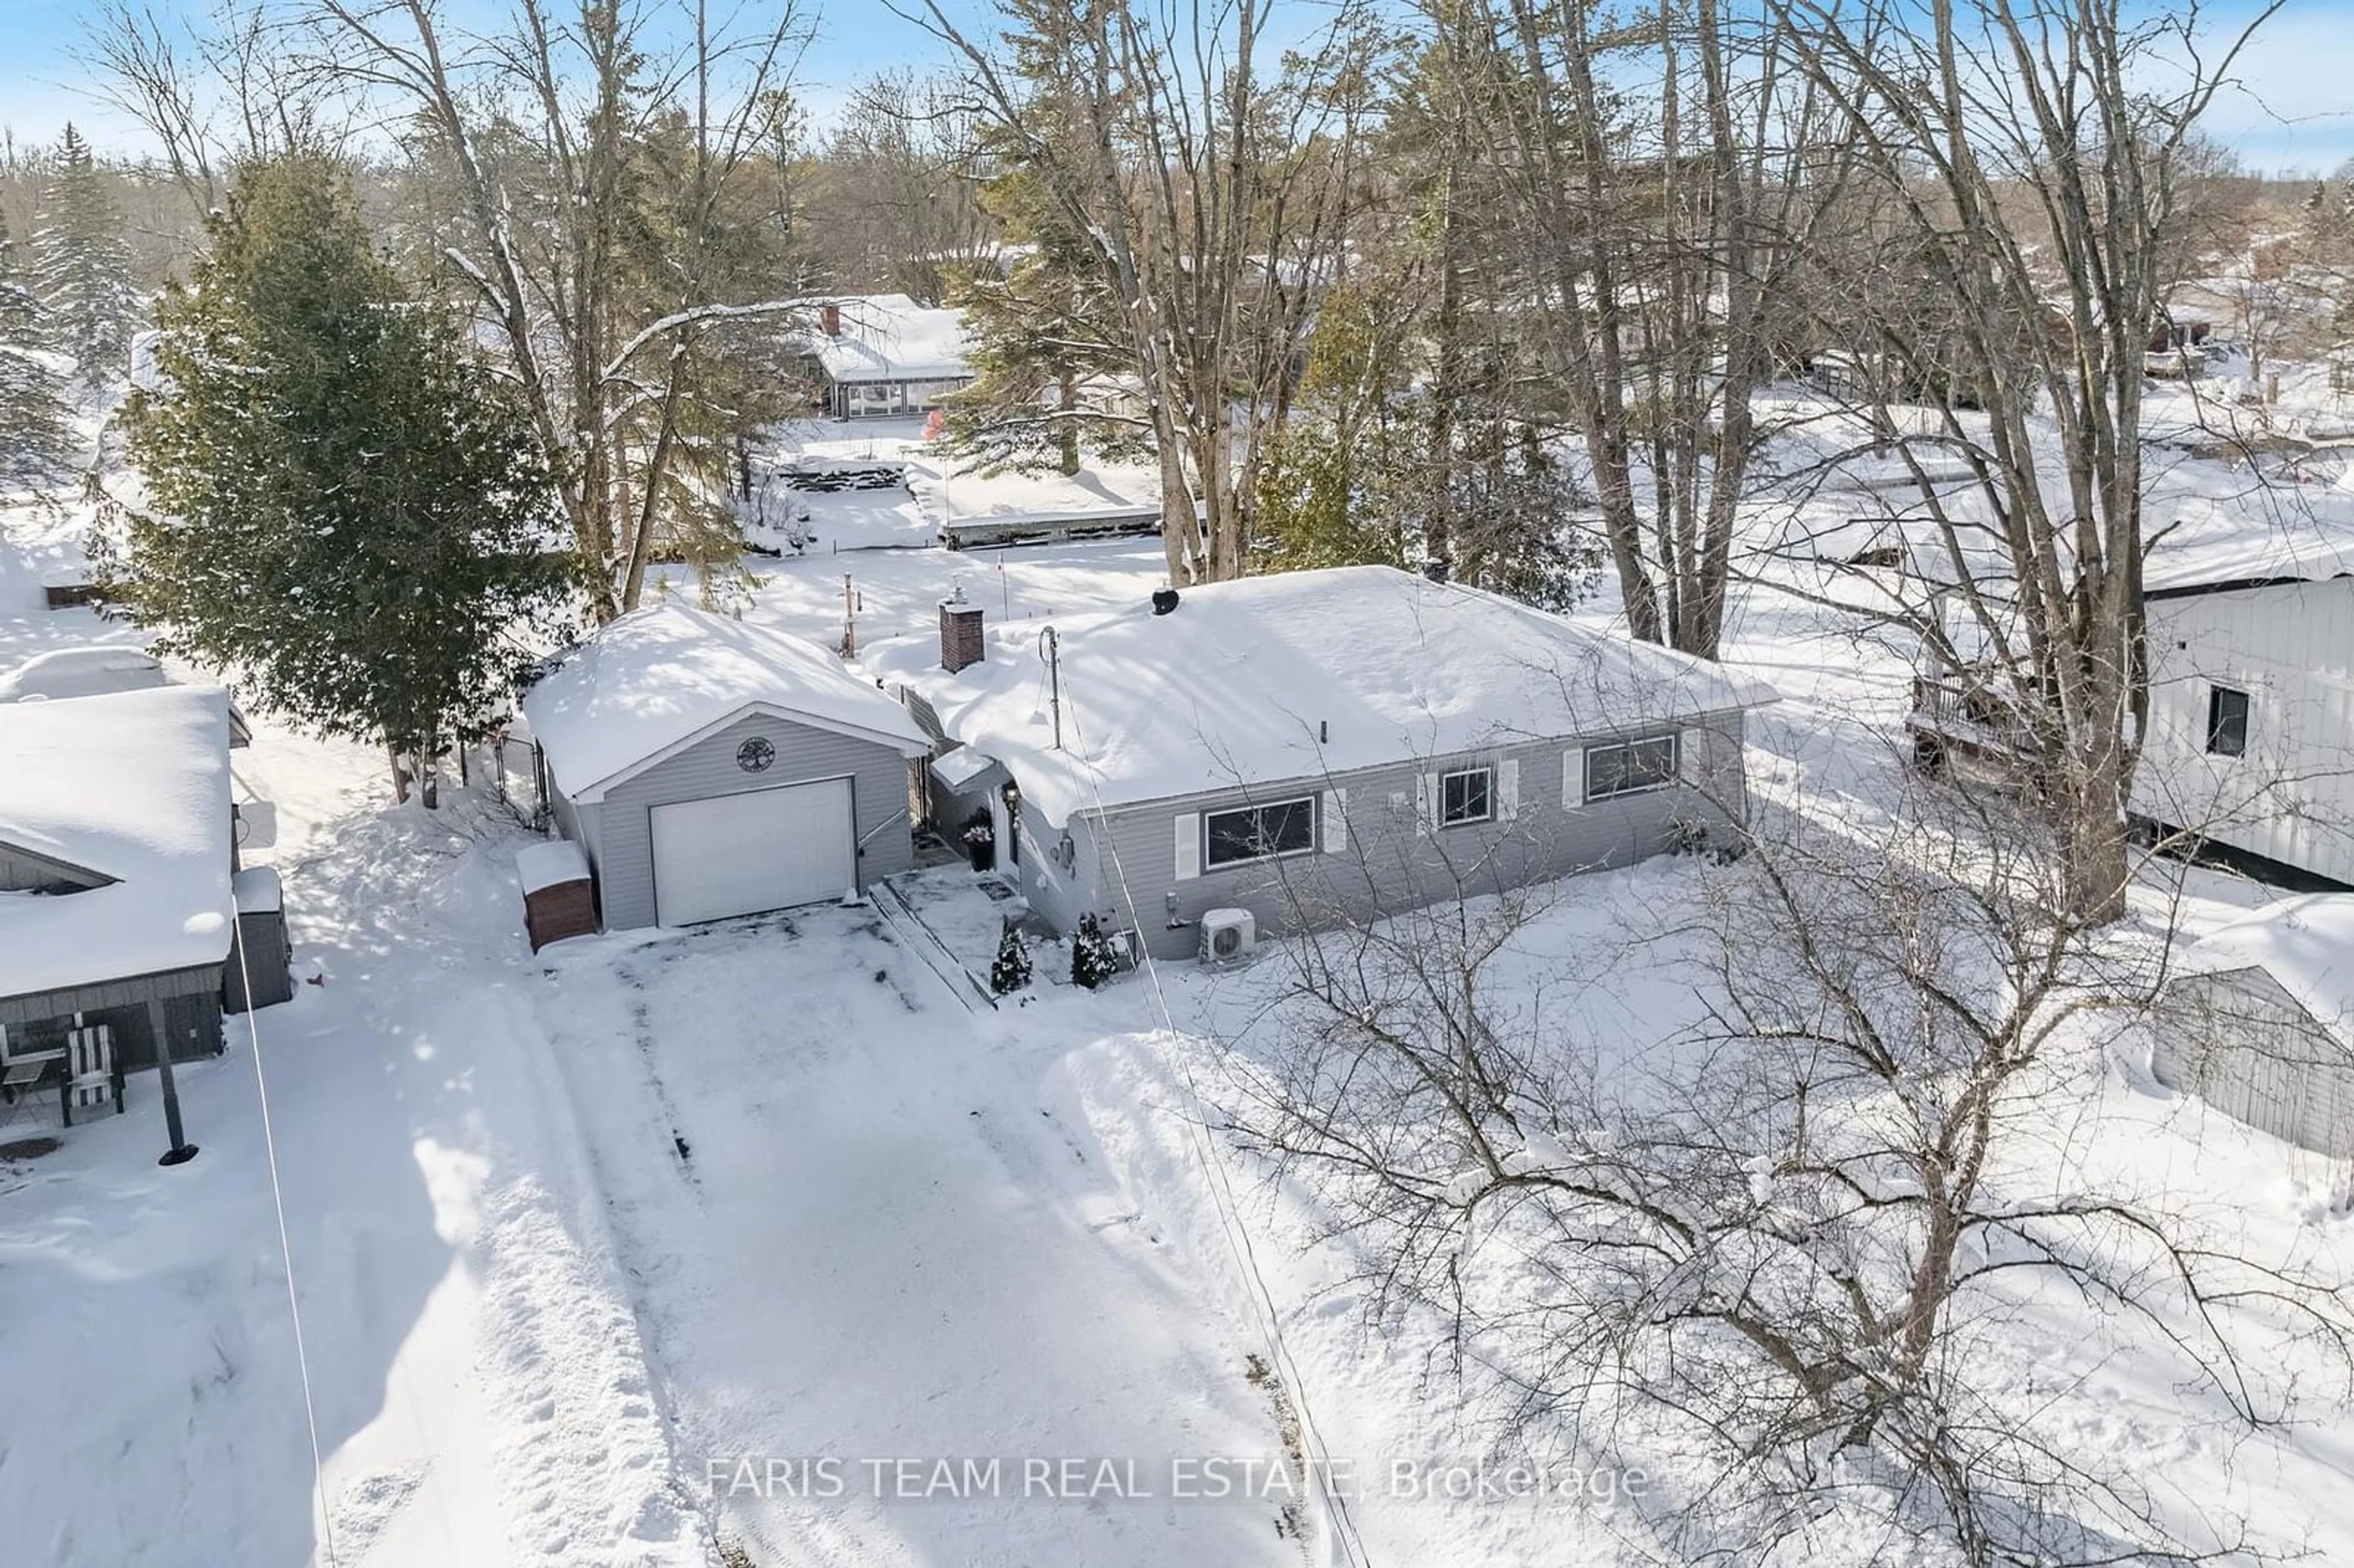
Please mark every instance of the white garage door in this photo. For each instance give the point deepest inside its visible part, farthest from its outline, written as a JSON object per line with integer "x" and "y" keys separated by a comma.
{"x": 738, "y": 855}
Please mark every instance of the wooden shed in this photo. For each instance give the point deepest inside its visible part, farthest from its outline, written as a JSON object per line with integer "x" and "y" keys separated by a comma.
{"x": 559, "y": 898}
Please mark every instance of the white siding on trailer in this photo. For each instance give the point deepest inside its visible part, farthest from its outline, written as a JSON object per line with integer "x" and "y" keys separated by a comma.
{"x": 1336, "y": 821}
{"x": 1188, "y": 845}
{"x": 2290, "y": 798}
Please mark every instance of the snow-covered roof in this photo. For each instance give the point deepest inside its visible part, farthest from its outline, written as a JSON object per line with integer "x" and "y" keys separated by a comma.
{"x": 889, "y": 337}
{"x": 659, "y": 677}
{"x": 82, "y": 673}
{"x": 1295, "y": 675}
{"x": 2305, "y": 943}
{"x": 2305, "y": 534}
{"x": 549, "y": 865}
{"x": 962, "y": 766}
{"x": 258, "y": 890}
{"x": 132, "y": 787}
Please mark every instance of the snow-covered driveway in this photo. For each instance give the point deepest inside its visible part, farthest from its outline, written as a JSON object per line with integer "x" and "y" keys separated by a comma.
{"x": 889, "y": 1235}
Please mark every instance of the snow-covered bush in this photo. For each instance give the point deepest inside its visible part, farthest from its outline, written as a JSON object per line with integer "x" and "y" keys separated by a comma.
{"x": 1092, "y": 959}
{"x": 1011, "y": 971}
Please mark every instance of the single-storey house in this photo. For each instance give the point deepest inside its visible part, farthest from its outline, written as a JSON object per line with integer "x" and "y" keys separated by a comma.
{"x": 1308, "y": 748}
{"x": 118, "y": 905}
{"x": 881, "y": 355}
{"x": 2250, "y": 741}
{"x": 2258, "y": 1021}
{"x": 709, "y": 768}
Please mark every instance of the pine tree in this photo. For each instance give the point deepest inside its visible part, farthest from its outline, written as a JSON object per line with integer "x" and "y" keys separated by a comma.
{"x": 1091, "y": 955}
{"x": 83, "y": 267}
{"x": 1011, "y": 971}
{"x": 344, "y": 506}
{"x": 35, "y": 434}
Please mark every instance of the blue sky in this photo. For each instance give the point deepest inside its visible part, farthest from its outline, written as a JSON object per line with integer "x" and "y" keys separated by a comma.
{"x": 2295, "y": 112}
{"x": 43, "y": 85}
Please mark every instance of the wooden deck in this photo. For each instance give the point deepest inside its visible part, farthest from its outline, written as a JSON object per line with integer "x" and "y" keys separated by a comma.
{"x": 1968, "y": 716}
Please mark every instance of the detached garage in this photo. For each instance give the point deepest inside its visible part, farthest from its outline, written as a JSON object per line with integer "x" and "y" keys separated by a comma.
{"x": 709, "y": 768}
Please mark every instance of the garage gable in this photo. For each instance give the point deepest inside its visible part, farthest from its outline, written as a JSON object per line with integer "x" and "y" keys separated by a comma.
{"x": 846, "y": 835}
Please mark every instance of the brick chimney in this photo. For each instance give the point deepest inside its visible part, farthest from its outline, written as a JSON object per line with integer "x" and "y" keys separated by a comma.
{"x": 960, "y": 639}
{"x": 829, "y": 316}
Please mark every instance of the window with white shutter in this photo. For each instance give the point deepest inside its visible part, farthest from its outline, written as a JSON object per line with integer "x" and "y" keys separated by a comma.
{"x": 1573, "y": 779}
{"x": 1508, "y": 790}
{"x": 1189, "y": 845}
{"x": 1336, "y": 821}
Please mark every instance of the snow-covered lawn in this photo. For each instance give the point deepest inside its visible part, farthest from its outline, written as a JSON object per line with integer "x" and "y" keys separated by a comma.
{"x": 939, "y": 490}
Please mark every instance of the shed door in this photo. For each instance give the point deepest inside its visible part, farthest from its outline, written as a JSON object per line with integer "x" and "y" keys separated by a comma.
{"x": 740, "y": 854}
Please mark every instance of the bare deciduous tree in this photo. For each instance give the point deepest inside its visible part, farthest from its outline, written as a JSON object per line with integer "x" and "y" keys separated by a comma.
{"x": 1805, "y": 1235}
{"x": 1209, "y": 181}
{"x": 608, "y": 233}
{"x": 2031, "y": 159}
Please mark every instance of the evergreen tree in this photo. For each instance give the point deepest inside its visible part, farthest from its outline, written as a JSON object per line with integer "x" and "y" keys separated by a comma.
{"x": 1092, "y": 962}
{"x": 83, "y": 267}
{"x": 34, "y": 432}
{"x": 1011, "y": 971}
{"x": 344, "y": 506}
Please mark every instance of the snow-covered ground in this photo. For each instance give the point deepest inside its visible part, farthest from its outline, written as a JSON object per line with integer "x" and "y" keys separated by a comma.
{"x": 938, "y": 491}
{"x": 578, "y": 1238}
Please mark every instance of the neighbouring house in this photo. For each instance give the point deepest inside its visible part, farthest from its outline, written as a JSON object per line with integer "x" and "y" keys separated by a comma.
{"x": 2248, "y": 746}
{"x": 2249, "y": 739}
{"x": 2258, "y": 1021}
{"x": 708, "y": 767}
{"x": 120, "y": 908}
{"x": 881, "y": 355}
{"x": 1315, "y": 747}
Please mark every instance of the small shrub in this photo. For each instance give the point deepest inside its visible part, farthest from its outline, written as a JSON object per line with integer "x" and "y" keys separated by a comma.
{"x": 1092, "y": 962}
{"x": 1011, "y": 971}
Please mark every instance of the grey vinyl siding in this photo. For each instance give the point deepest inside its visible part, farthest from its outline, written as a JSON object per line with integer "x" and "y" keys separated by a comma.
{"x": 1055, "y": 895}
{"x": 2250, "y": 1049}
{"x": 618, "y": 832}
{"x": 953, "y": 806}
{"x": 1389, "y": 866}
{"x": 192, "y": 1013}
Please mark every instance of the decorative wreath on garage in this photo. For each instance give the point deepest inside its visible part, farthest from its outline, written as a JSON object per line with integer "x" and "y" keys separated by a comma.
{"x": 755, "y": 755}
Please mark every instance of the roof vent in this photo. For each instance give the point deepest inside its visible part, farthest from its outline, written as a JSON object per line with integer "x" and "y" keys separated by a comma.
{"x": 829, "y": 319}
{"x": 1164, "y": 600}
{"x": 1437, "y": 568}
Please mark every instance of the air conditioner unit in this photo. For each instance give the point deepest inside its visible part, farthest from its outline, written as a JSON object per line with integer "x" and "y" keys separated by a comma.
{"x": 1227, "y": 935}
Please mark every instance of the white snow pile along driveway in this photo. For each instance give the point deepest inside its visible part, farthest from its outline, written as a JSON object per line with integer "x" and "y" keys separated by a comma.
{"x": 864, "y": 1225}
